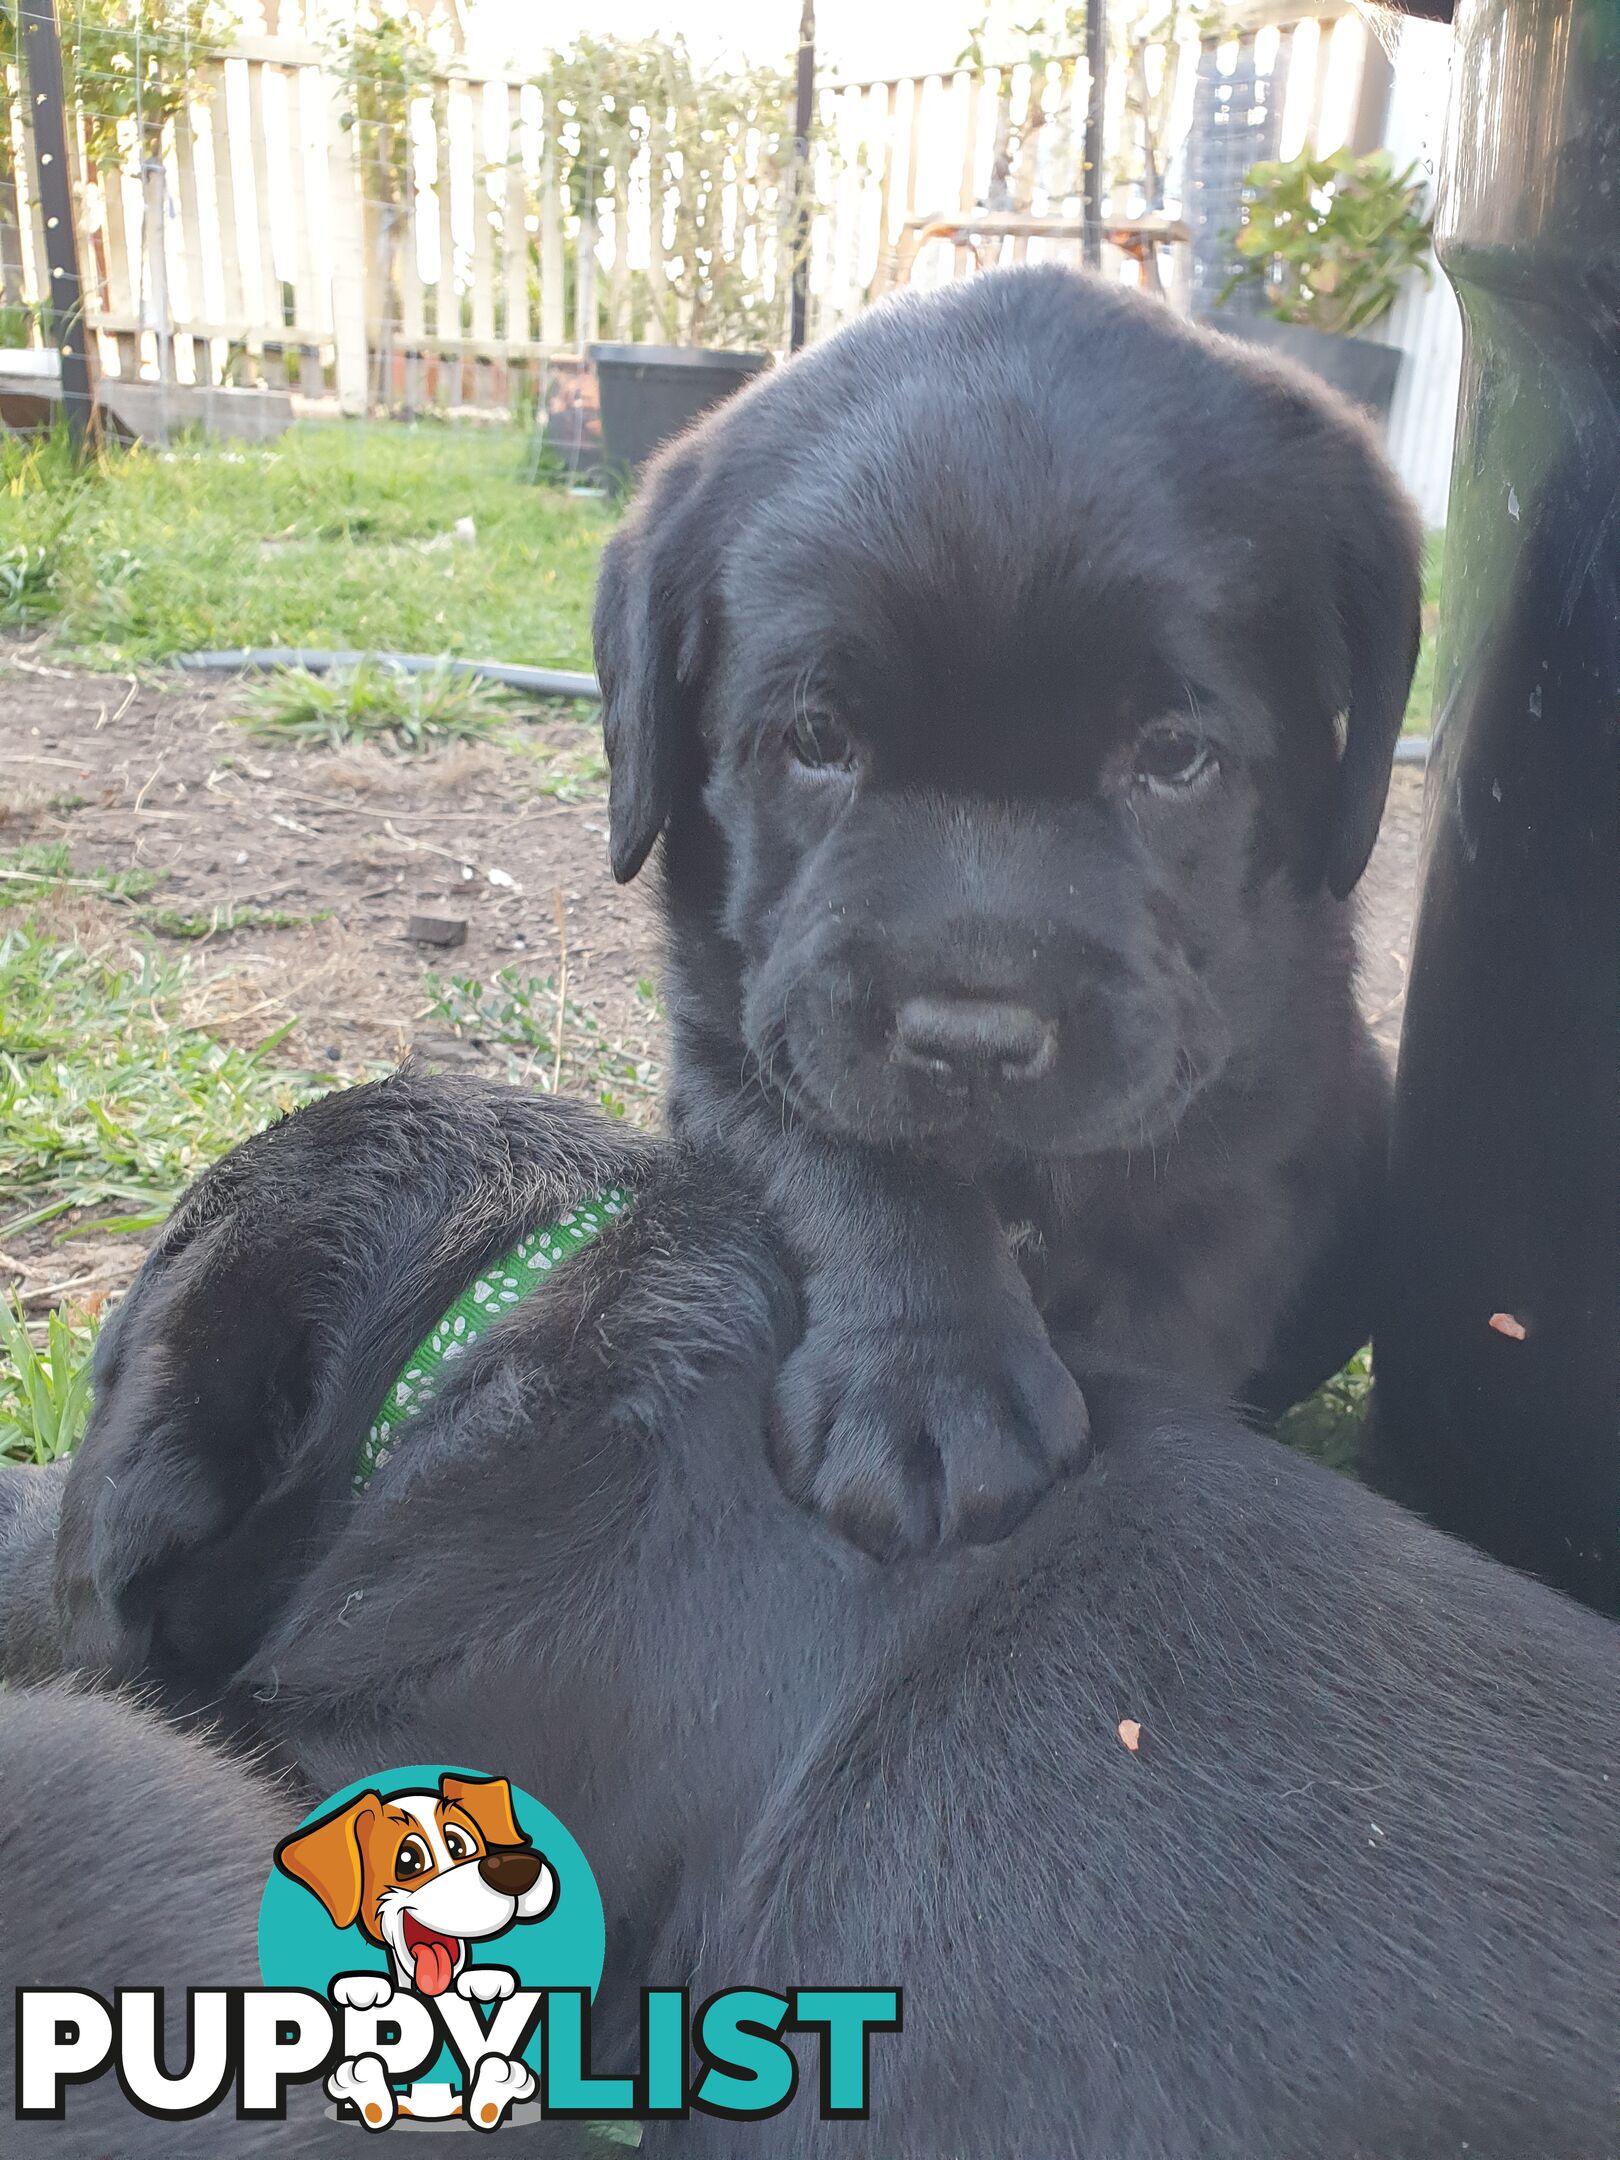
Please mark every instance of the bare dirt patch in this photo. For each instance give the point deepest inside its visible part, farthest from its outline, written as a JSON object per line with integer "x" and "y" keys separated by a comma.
{"x": 302, "y": 868}
{"x": 289, "y": 876}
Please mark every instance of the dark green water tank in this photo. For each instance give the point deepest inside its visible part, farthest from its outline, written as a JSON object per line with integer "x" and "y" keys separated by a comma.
{"x": 1498, "y": 1352}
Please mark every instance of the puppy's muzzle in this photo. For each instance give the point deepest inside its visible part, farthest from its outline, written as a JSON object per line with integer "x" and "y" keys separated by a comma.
{"x": 973, "y": 1041}
{"x": 511, "y": 1873}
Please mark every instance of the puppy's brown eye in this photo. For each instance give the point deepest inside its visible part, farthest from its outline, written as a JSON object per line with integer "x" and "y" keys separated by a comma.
{"x": 457, "y": 1843}
{"x": 1171, "y": 757}
{"x": 820, "y": 743}
{"x": 412, "y": 1860}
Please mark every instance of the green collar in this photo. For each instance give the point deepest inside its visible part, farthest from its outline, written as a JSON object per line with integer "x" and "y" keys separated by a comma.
{"x": 474, "y": 1313}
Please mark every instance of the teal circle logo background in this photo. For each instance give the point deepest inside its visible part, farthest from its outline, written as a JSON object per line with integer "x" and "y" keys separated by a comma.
{"x": 300, "y": 1947}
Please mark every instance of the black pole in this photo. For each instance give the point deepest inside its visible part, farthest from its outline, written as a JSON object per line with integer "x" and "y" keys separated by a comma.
{"x": 1091, "y": 178}
{"x": 803, "y": 100}
{"x": 64, "y": 304}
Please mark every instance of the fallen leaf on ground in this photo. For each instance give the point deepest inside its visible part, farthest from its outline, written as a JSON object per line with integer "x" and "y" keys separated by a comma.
{"x": 1505, "y": 1324}
{"x": 1130, "y": 1732}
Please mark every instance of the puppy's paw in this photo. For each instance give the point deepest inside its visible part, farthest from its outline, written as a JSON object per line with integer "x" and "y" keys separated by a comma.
{"x": 497, "y": 2085}
{"x": 486, "y": 1983}
{"x": 363, "y": 1990}
{"x": 364, "y": 2084}
{"x": 904, "y": 1436}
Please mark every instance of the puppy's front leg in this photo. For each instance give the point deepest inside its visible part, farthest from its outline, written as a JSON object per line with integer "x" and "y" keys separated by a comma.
{"x": 924, "y": 1401}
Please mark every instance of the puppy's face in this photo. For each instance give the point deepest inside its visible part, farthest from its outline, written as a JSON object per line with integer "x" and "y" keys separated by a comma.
{"x": 1015, "y": 704}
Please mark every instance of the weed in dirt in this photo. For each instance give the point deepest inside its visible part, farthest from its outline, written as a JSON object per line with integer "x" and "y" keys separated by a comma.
{"x": 222, "y": 920}
{"x": 551, "y": 1042}
{"x": 25, "y": 873}
{"x": 341, "y": 534}
{"x": 575, "y": 774}
{"x": 375, "y": 702}
{"x": 110, "y": 1102}
{"x": 44, "y": 1382}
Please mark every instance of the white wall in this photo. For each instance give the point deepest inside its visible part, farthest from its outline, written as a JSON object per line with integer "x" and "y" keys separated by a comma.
{"x": 1425, "y": 321}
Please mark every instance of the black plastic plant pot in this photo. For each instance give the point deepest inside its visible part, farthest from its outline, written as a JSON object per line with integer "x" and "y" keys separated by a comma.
{"x": 1498, "y": 1353}
{"x": 1358, "y": 368}
{"x": 649, "y": 393}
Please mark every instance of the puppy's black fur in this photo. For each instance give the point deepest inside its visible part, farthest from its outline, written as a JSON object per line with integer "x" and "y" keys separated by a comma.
{"x": 1356, "y": 1895}
{"x": 984, "y": 673}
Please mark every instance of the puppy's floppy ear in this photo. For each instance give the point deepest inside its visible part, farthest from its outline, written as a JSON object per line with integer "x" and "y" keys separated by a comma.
{"x": 650, "y": 631}
{"x": 1377, "y": 582}
{"x": 326, "y": 1857}
{"x": 489, "y": 1802}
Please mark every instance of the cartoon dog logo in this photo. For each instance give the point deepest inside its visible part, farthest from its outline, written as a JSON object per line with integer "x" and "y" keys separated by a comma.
{"x": 423, "y": 1875}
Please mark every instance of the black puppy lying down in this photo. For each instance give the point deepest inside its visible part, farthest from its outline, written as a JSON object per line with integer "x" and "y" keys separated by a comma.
{"x": 1358, "y": 1893}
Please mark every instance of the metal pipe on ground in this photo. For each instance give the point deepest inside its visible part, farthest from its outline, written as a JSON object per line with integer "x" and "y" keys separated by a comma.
{"x": 261, "y": 659}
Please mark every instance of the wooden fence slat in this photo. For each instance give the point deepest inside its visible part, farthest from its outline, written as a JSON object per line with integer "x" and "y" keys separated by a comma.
{"x": 966, "y": 199}
{"x": 352, "y": 282}
{"x": 413, "y": 305}
{"x": 483, "y": 212}
{"x": 913, "y": 143}
{"x": 447, "y": 314}
{"x": 308, "y": 301}
{"x": 122, "y": 280}
{"x": 34, "y": 223}
{"x": 191, "y": 249}
{"x": 656, "y": 329}
{"x": 889, "y": 94}
{"x": 553, "y": 312}
{"x": 618, "y": 290}
{"x": 233, "y": 293}
{"x": 272, "y": 311}
{"x": 515, "y": 224}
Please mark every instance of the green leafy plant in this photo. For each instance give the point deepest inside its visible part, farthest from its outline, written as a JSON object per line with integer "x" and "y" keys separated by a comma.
{"x": 724, "y": 271}
{"x": 1329, "y": 239}
{"x": 127, "y": 60}
{"x": 44, "y": 1383}
{"x": 1328, "y": 1426}
{"x": 375, "y": 701}
{"x": 383, "y": 58}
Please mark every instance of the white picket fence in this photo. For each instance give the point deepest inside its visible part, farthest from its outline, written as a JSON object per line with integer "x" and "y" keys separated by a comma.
{"x": 267, "y": 242}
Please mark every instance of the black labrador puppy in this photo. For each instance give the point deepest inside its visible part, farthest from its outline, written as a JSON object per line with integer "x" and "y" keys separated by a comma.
{"x": 1014, "y": 681}
{"x": 1355, "y": 1896}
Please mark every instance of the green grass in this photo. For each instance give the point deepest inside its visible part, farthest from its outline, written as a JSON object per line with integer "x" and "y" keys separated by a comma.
{"x": 110, "y": 1102}
{"x": 551, "y": 1043}
{"x": 340, "y": 534}
{"x": 44, "y": 1383}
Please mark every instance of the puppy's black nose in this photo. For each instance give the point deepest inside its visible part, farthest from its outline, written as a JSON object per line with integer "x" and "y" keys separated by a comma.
{"x": 511, "y": 1873}
{"x": 975, "y": 1038}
